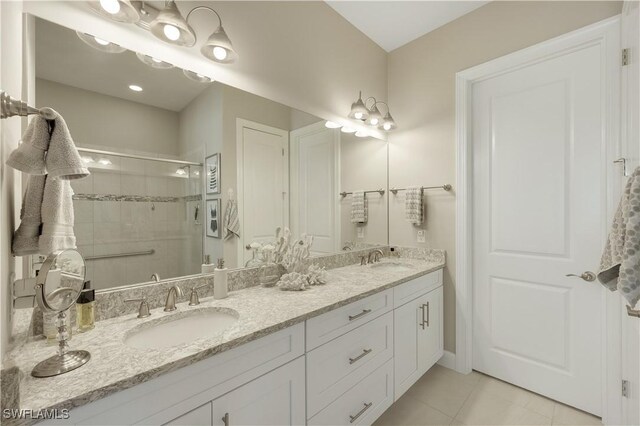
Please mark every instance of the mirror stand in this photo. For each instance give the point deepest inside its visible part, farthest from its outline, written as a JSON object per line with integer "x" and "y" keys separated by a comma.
{"x": 65, "y": 360}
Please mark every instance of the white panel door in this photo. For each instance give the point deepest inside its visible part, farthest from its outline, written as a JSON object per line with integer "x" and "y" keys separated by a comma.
{"x": 315, "y": 160}
{"x": 262, "y": 183}
{"x": 539, "y": 214}
{"x": 630, "y": 150}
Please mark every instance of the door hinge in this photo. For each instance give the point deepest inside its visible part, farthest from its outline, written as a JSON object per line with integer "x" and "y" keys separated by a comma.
{"x": 625, "y": 388}
{"x": 625, "y": 57}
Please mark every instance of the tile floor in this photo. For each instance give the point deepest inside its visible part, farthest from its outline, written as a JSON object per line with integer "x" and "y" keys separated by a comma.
{"x": 444, "y": 397}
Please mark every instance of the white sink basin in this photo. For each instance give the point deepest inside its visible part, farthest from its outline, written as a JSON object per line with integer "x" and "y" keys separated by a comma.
{"x": 181, "y": 327}
{"x": 393, "y": 267}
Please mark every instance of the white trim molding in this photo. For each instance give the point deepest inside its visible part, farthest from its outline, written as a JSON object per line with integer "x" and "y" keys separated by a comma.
{"x": 448, "y": 360}
{"x": 607, "y": 34}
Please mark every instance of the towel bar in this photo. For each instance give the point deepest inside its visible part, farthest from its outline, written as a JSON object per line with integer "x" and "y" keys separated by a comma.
{"x": 112, "y": 256}
{"x": 446, "y": 187}
{"x": 10, "y": 107}
{"x": 633, "y": 312}
{"x": 379, "y": 191}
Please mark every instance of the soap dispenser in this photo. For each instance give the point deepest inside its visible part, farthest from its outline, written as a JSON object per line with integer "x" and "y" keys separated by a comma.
{"x": 220, "y": 281}
{"x": 207, "y": 267}
{"x": 85, "y": 308}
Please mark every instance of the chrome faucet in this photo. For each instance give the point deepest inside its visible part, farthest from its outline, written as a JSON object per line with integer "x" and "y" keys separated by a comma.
{"x": 377, "y": 254}
{"x": 155, "y": 277}
{"x": 174, "y": 293}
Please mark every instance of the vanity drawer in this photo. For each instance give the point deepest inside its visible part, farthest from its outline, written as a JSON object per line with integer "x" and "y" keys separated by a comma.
{"x": 336, "y": 366}
{"x": 415, "y": 288}
{"x": 332, "y": 324}
{"x": 363, "y": 403}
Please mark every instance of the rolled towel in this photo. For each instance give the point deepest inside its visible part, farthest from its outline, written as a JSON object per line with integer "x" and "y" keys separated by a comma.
{"x": 359, "y": 207}
{"x": 57, "y": 216}
{"x": 25, "y": 239}
{"x": 413, "y": 205}
{"x": 29, "y": 156}
{"x": 63, "y": 160}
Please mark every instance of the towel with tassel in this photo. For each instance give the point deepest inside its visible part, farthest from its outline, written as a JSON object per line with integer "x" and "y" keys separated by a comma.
{"x": 231, "y": 224}
{"x": 359, "y": 207}
{"x": 413, "y": 205}
{"x": 620, "y": 264}
{"x": 49, "y": 155}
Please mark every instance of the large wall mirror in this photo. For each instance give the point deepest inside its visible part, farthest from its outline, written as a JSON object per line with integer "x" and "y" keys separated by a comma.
{"x": 167, "y": 149}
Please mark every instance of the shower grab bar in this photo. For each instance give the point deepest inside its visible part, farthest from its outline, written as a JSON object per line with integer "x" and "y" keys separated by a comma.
{"x": 112, "y": 256}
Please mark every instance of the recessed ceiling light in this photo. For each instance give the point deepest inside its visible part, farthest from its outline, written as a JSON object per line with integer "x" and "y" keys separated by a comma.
{"x": 332, "y": 125}
{"x": 135, "y": 88}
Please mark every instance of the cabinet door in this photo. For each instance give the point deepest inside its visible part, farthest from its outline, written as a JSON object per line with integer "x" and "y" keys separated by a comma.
{"x": 406, "y": 330}
{"x": 430, "y": 336}
{"x": 201, "y": 416}
{"x": 277, "y": 398}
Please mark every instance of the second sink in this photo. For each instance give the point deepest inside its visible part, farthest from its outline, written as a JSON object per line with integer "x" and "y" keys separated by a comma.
{"x": 181, "y": 328}
{"x": 392, "y": 266}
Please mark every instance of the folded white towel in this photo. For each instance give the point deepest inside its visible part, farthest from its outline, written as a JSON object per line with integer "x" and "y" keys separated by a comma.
{"x": 231, "y": 223}
{"x": 620, "y": 264}
{"x": 57, "y": 216}
{"x": 359, "y": 207}
{"x": 25, "y": 239}
{"x": 63, "y": 160}
{"x": 413, "y": 205}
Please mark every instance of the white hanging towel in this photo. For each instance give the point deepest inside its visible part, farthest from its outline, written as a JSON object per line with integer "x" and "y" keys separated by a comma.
{"x": 358, "y": 207}
{"x": 620, "y": 264}
{"x": 413, "y": 205}
{"x": 231, "y": 223}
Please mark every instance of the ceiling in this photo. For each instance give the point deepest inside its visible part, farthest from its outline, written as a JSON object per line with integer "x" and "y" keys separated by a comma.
{"x": 392, "y": 24}
{"x": 62, "y": 57}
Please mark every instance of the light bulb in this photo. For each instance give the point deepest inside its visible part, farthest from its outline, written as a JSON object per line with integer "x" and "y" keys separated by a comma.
{"x": 135, "y": 88}
{"x": 101, "y": 41}
{"x": 332, "y": 125}
{"x": 171, "y": 32}
{"x": 220, "y": 53}
{"x": 374, "y": 121}
{"x": 358, "y": 115}
{"x": 387, "y": 126}
{"x": 110, "y": 6}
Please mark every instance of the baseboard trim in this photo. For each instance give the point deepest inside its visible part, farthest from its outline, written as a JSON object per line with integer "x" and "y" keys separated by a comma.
{"x": 448, "y": 360}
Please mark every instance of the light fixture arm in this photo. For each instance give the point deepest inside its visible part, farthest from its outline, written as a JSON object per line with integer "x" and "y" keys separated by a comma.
{"x": 383, "y": 103}
{"x": 207, "y": 8}
{"x": 368, "y": 99}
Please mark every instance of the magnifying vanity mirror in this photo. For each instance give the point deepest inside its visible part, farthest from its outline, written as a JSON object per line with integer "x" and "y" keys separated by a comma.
{"x": 169, "y": 150}
{"x": 58, "y": 286}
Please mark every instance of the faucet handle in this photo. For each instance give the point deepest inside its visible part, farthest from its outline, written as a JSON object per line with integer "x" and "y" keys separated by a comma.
{"x": 143, "y": 310}
{"x": 194, "y": 299}
{"x": 363, "y": 260}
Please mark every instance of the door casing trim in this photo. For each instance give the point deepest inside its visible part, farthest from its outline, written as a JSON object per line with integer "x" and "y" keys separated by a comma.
{"x": 605, "y": 33}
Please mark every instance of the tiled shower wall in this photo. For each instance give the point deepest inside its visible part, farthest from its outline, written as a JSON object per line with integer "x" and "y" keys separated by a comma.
{"x": 136, "y": 205}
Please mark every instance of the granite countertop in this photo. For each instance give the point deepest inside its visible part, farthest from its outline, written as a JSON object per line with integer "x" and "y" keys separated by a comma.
{"x": 115, "y": 366}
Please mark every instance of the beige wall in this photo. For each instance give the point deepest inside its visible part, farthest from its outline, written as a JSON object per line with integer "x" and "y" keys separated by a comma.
{"x": 101, "y": 121}
{"x": 422, "y": 95}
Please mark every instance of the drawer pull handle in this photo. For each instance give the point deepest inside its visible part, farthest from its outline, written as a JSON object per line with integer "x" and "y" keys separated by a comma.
{"x": 361, "y": 412}
{"x": 424, "y": 321}
{"x": 360, "y": 315}
{"x": 359, "y": 357}
{"x": 225, "y": 419}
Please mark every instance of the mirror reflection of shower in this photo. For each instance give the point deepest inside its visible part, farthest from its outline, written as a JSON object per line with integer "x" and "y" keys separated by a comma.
{"x": 136, "y": 216}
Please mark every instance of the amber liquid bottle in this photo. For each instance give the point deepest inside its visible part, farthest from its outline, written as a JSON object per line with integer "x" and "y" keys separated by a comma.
{"x": 85, "y": 309}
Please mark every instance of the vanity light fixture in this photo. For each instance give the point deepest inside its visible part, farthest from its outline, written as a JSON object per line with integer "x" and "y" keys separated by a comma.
{"x": 388, "y": 123}
{"x": 181, "y": 171}
{"x": 135, "y": 88}
{"x": 218, "y": 47}
{"x": 375, "y": 117}
{"x": 332, "y": 125}
{"x": 197, "y": 77}
{"x": 347, "y": 129}
{"x": 100, "y": 44}
{"x": 118, "y": 10}
{"x": 153, "y": 62}
{"x": 358, "y": 109}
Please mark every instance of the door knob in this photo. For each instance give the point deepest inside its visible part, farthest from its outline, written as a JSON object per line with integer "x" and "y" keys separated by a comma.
{"x": 587, "y": 276}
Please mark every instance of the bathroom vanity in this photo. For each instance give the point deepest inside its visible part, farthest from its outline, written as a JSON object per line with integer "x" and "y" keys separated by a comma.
{"x": 341, "y": 353}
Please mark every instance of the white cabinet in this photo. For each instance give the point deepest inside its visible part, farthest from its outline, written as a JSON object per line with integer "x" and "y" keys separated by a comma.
{"x": 418, "y": 333}
{"x": 277, "y": 398}
{"x": 201, "y": 416}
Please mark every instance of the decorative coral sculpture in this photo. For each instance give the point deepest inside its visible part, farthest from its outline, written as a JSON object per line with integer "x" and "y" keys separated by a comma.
{"x": 293, "y": 281}
{"x": 317, "y": 275}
